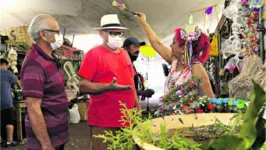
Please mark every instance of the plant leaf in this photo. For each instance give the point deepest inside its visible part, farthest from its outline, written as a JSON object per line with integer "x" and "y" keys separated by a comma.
{"x": 205, "y": 147}
{"x": 248, "y": 129}
{"x": 260, "y": 126}
{"x": 228, "y": 143}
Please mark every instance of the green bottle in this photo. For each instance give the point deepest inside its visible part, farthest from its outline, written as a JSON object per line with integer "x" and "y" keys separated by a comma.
{"x": 230, "y": 106}
{"x": 240, "y": 108}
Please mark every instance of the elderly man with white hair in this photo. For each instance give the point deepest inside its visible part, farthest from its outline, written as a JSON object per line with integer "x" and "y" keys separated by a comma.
{"x": 46, "y": 121}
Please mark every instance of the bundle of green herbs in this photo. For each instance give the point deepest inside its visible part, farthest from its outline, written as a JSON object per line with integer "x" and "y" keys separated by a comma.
{"x": 250, "y": 134}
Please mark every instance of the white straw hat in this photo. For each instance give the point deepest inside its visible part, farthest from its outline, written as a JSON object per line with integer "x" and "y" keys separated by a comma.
{"x": 110, "y": 21}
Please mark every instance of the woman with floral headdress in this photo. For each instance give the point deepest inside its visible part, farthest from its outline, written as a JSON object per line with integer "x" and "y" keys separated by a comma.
{"x": 187, "y": 54}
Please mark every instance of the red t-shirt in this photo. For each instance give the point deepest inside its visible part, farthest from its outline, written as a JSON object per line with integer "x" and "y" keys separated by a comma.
{"x": 101, "y": 66}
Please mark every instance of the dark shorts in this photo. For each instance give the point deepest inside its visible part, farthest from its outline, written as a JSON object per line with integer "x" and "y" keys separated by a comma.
{"x": 7, "y": 116}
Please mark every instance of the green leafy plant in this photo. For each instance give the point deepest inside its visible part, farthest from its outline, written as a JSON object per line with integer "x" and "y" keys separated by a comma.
{"x": 252, "y": 131}
{"x": 123, "y": 139}
{"x": 231, "y": 129}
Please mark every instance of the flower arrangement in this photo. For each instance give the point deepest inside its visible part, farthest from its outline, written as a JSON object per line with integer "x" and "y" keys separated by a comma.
{"x": 184, "y": 94}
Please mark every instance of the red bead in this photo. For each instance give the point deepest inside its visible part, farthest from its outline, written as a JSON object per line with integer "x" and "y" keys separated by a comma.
{"x": 198, "y": 111}
{"x": 211, "y": 106}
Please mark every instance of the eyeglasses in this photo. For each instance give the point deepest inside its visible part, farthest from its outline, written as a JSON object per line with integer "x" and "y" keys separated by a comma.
{"x": 114, "y": 34}
{"x": 53, "y": 31}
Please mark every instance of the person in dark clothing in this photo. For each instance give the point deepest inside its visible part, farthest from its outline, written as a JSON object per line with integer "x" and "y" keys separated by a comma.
{"x": 7, "y": 79}
{"x": 132, "y": 46}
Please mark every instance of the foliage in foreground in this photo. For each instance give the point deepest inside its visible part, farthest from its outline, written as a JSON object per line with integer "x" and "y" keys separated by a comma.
{"x": 251, "y": 133}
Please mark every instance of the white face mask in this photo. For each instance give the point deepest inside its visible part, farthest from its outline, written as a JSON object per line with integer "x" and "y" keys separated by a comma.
{"x": 58, "y": 41}
{"x": 114, "y": 42}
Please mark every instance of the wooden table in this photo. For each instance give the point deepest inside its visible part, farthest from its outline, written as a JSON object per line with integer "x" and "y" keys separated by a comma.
{"x": 18, "y": 106}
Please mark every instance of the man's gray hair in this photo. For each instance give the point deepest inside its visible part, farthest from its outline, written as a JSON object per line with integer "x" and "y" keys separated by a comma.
{"x": 37, "y": 24}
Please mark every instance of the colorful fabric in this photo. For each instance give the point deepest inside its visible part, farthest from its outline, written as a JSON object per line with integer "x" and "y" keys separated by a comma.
{"x": 176, "y": 78}
{"x": 7, "y": 78}
{"x": 41, "y": 78}
{"x": 101, "y": 66}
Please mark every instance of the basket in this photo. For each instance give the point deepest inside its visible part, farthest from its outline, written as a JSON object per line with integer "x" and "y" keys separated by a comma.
{"x": 188, "y": 120}
{"x": 18, "y": 34}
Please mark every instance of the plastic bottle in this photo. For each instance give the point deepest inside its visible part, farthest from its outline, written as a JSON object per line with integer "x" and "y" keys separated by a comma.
{"x": 240, "y": 108}
{"x": 234, "y": 109}
{"x": 220, "y": 99}
{"x": 230, "y": 106}
{"x": 225, "y": 104}
{"x": 213, "y": 100}
{"x": 219, "y": 106}
{"x": 211, "y": 108}
{"x": 243, "y": 101}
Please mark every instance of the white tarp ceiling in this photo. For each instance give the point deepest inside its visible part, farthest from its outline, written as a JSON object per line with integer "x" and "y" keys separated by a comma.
{"x": 80, "y": 16}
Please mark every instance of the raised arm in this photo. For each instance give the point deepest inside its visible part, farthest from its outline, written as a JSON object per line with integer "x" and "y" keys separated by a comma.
{"x": 163, "y": 50}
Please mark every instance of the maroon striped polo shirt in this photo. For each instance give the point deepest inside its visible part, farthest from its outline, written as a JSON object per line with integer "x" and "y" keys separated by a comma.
{"x": 41, "y": 78}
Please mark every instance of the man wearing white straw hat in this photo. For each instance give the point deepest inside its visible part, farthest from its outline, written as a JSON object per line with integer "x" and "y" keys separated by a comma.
{"x": 107, "y": 74}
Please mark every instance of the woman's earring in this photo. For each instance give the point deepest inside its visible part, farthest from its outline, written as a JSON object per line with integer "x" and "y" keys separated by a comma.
{"x": 182, "y": 59}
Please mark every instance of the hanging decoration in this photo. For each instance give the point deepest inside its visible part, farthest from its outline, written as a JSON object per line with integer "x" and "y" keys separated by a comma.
{"x": 214, "y": 46}
{"x": 245, "y": 38}
{"x": 250, "y": 11}
{"x": 148, "y": 52}
{"x": 208, "y": 12}
{"x": 191, "y": 20}
{"x": 257, "y": 3}
{"x": 264, "y": 15}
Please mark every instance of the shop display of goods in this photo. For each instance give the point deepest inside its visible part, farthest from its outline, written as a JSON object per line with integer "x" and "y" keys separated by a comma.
{"x": 18, "y": 34}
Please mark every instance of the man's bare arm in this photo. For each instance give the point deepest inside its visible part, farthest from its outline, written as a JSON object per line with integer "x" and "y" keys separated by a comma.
{"x": 136, "y": 99}
{"x": 38, "y": 123}
{"x": 88, "y": 87}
